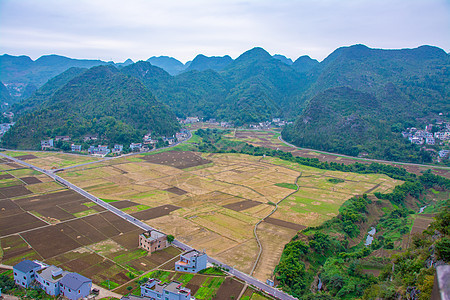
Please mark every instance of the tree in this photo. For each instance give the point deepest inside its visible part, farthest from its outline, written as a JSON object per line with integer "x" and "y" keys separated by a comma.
{"x": 170, "y": 238}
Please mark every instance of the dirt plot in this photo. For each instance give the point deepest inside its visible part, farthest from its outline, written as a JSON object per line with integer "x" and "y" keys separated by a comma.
{"x": 155, "y": 212}
{"x": 86, "y": 230}
{"x": 129, "y": 240}
{"x": 176, "y": 191}
{"x": 13, "y": 246}
{"x": 26, "y": 157}
{"x": 6, "y": 176}
{"x": 15, "y": 166}
{"x": 8, "y": 207}
{"x": 119, "y": 223}
{"x": 30, "y": 180}
{"x": 230, "y": 289}
{"x": 80, "y": 264}
{"x": 102, "y": 225}
{"x": 49, "y": 241}
{"x": 124, "y": 204}
{"x": 242, "y": 205}
{"x": 49, "y": 200}
{"x": 195, "y": 283}
{"x": 19, "y": 222}
{"x": 420, "y": 224}
{"x": 282, "y": 223}
{"x": 13, "y": 191}
{"x": 177, "y": 159}
{"x": 54, "y": 212}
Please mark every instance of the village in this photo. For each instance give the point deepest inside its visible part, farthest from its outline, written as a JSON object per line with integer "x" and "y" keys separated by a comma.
{"x": 436, "y": 135}
{"x": 54, "y": 281}
{"x": 146, "y": 144}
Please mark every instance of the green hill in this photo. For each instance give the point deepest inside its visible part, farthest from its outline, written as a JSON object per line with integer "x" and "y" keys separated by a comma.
{"x": 102, "y": 101}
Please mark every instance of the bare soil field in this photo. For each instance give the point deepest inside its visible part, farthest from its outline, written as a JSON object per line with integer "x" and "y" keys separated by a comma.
{"x": 18, "y": 223}
{"x": 286, "y": 224}
{"x": 230, "y": 289}
{"x": 49, "y": 241}
{"x": 155, "y": 212}
{"x": 242, "y": 205}
{"x": 177, "y": 159}
{"x": 13, "y": 191}
{"x": 8, "y": 208}
{"x": 30, "y": 180}
{"x": 214, "y": 204}
{"x": 26, "y": 157}
{"x": 123, "y": 204}
{"x": 6, "y": 176}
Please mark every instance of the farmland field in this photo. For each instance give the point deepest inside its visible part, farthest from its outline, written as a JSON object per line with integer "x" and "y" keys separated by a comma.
{"x": 40, "y": 219}
{"x": 213, "y": 201}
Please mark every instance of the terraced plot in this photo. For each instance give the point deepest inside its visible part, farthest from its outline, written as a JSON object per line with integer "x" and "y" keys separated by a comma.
{"x": 213, "y": 201}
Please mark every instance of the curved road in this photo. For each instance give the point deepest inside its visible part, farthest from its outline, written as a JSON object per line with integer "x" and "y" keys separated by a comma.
{"x": 238, "y": 274}
{"x": 363, "y": 159}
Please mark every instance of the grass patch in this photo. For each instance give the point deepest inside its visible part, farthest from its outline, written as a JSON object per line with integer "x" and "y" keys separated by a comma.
{"x": 108, "y": 284}
{"x": 336, "y": 180}
{"x": 212, "y": 271}
{"x": 89, "y": 204}
{"x": 287, "y": 185}
{"x": 85, "y": 213}
{"x": 129, "y": 256}
{"x": 185, "y": 278}
{"x": 109, "y": 200}
{"x": 136, "y": 208}
{"x": 209, "y": 288}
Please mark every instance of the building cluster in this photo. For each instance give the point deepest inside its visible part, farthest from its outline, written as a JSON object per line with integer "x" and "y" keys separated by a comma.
{"x": 189, "y": 120}
{"x": 4, "y": 127}
{"x": 426, "y": 136}
{"x": 148, "y": 142}
{"x": 53, "y": 280}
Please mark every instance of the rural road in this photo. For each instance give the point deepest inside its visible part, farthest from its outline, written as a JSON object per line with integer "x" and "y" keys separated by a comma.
{"x": 238, "y": 274}
{"x": 363, "y": 159}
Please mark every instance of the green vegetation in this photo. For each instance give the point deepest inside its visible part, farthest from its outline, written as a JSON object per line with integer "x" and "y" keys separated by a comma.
{"x": 100, "y": 101}
{"x": 335, "y": 252}
{"x": 336, "y": 180}
{"x": 212, "y": 271}
{"x": 108, "y": 284}
{"x": 287, "y": 185}
{"x": 209, "y": 288}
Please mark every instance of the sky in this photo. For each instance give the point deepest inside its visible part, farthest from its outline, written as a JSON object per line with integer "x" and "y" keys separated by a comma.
{"x": 139, "y": 29}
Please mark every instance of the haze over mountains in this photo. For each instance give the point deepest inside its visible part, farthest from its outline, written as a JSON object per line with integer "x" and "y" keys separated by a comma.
{"x": 347, "y": 103}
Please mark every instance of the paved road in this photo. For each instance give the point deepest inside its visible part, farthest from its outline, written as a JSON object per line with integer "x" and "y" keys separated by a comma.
{"x": 364, "y": 159}
{"x": 245, "y": 277}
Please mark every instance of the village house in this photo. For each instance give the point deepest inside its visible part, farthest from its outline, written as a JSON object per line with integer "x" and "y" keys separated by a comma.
{"x": 99, "y": 150}
{"x": 136, "y": 147}
{"x": 63, "y": 138}
{"x": 153, "y": 240}
{"x": 174, "y": 290}
{"x": 169, "y": 140}
{"x": 190, "y": 120}
{"x": 90, "y": 137}
{"x": 25, "y": 272}
{"x": 75, "y": 286}
{"x": 429, "y": 141}
{"x": 117, "y": 148}
{"x": 444, "y": 153}
{"x": 49, "y": 279}
{"x": 76, "y": 148}
{"x": 192, "y": 261}
{"x": 46, "y": 144}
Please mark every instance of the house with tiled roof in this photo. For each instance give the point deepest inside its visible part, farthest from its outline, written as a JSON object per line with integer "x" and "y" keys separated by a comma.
{"x": 49, "y": 279}
{"x": 75, "y": 286}
{"x": 25, "y": 272}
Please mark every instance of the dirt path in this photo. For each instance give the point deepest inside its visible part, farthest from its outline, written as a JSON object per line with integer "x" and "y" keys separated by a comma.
{"x": 271, "y": 213}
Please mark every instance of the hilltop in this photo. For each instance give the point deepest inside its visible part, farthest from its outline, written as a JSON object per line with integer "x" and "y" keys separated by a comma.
{"x": 100, "y": 101}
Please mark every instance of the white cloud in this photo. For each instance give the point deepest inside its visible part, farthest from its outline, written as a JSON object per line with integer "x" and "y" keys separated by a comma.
{"x": 113, "y": 29}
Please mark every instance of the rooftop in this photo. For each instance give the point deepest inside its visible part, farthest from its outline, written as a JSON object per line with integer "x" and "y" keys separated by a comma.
{"x": 153, "y": 234}
{"x": 52, "y": 274}
{"x": 192, "y": 253}
{"x": 26, "y": 266}
{"x": 74, "y": 280}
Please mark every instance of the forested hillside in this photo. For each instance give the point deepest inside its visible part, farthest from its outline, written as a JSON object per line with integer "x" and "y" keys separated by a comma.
{"x": 355, "y": 102}
{"x": 100, "y": 101}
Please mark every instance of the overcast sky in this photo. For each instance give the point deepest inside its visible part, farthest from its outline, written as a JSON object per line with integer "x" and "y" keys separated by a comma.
{"x": 138, "y": 29}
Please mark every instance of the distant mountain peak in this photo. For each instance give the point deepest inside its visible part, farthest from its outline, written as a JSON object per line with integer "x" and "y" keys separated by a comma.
{"x": 171, "y": 65}
{"x": 283, "y": 59}
{"x": 216, "y": 63}
{"x": 256, "y": 53}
